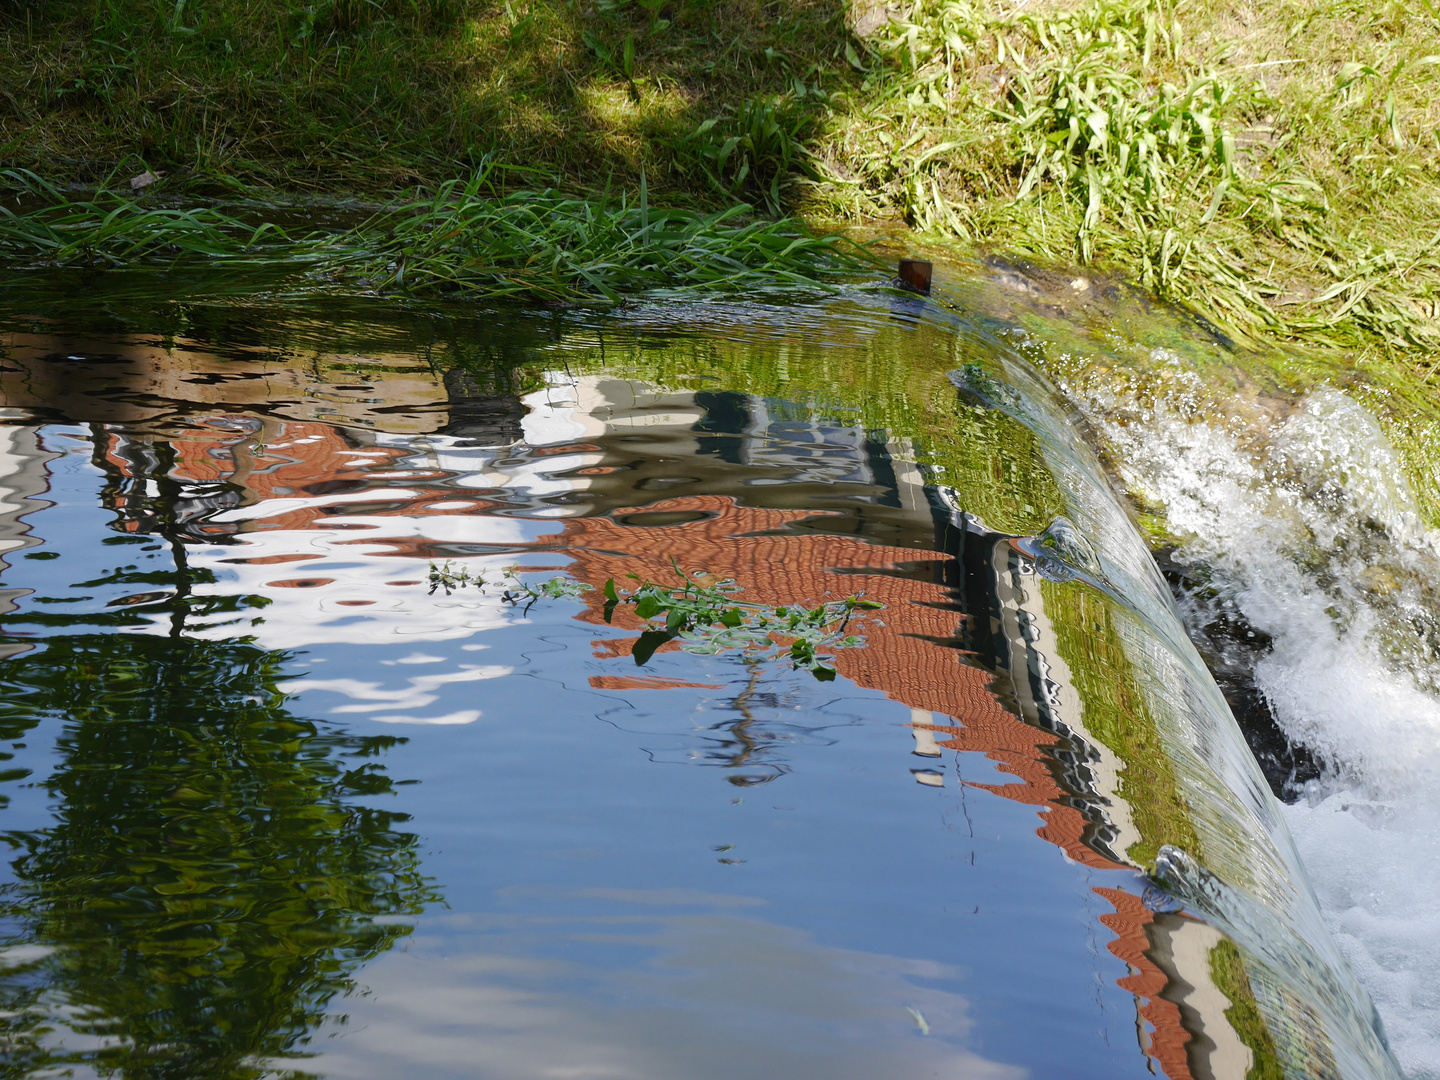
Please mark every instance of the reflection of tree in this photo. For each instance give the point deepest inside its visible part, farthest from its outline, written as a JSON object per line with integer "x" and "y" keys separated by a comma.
{"x": 210, "y": 880}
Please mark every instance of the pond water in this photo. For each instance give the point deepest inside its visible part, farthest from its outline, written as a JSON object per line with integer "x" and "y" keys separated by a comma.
{"x": 277, "y": 806}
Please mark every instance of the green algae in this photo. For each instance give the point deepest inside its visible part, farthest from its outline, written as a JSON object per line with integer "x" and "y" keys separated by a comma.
{"x": 1227, "y": 971}
{"x": 1116, "y": 713}
{"x": 1110, "y": 344}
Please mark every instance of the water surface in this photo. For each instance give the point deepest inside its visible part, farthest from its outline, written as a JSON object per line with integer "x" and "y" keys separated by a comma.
{"x": 276, "y": 806}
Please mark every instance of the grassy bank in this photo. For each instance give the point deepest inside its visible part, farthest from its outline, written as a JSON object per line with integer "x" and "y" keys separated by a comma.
{"x": 536, "y": 244}
{"x": 372, "y": 96}
{"x": 1277, "y": 167}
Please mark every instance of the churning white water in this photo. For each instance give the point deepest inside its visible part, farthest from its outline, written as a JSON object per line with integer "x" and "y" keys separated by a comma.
{"x": 1300, "y": 524}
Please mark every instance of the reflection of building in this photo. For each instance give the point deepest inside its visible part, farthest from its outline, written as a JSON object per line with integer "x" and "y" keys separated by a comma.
{"x": 149, "y": 381}
{"x": 22, "y": 481}
{"x": 334, "y": 527}
{"x": 916, "y": 661}
{"x": 601, "y": 455}
{"x": 1189, "y": 1035}
{"x": 297, "y": 473}
{"x": 1008, "y": 633}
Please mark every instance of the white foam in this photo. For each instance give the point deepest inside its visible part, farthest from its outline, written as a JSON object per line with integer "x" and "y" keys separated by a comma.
{"x": 1375, "y": 865}
{"x": 1308, "y": 530}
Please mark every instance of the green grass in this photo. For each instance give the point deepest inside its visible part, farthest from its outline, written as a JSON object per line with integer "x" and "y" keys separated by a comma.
{"x": 377, "y": 95}
{"x": 544, "y": 244}
{"x": 108, "y": 229}
{"x": 1276, "y": 167}
{"x": 535, "y": 244}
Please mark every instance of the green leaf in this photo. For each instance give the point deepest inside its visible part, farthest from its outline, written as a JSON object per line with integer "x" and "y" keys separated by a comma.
{"x": 647, "y": 643}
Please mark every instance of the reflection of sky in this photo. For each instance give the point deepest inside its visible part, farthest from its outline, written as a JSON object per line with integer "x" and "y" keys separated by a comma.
{"x": 616, "y": 908}
{"x": 714, "y": 992}
{"x": 577, "y": 844}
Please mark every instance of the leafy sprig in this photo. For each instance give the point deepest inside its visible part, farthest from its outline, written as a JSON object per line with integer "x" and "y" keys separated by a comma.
{"x": 702, "y": 613}
{"x": 447, "y": 577}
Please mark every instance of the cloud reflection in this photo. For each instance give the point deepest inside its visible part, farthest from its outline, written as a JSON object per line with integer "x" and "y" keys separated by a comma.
{"x": 418, "y": 692}
{"x": 711, "y": 997}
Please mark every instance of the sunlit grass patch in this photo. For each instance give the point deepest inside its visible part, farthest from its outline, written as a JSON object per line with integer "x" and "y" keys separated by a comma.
{"x": 359, "y": 97}
{"x": 545, "y": 244}
{"x": 460, "y": 238}
{"x": 1284, "y": 180}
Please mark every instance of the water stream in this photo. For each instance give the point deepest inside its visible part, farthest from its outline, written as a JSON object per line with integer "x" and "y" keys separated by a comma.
{"x": 278, "y": 807}
{"x": 1308, "y": 569}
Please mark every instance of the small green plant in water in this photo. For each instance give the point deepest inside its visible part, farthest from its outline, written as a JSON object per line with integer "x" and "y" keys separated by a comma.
{"x": 448, "y": 577}
{"x": 702, "y": 615}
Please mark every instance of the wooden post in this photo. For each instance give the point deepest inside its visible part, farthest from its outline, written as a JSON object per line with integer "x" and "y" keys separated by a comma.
{"x": 915, "y": 275}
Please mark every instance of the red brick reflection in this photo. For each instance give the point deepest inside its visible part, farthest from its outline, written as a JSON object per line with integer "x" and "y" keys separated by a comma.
{"x": 911, "y": 662}
{"x": 907, "y": 662}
